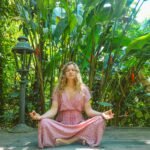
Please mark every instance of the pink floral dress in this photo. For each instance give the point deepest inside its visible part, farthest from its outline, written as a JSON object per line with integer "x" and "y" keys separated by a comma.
{"x": 70, "y": 123}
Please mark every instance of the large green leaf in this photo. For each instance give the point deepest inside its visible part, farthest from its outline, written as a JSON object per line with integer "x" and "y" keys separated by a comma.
{"x": 106, "y": 104}
{"x": 44, "y": 7}
{"x": 72, "y": 22}
{"x": 66, "y": 25}
{"x": 139, "y": 48}
{"x": 103, "y": 11}
{"x": 118, "y": 7}
{"x": 61, "y": 26}
{"x": 139, "y": 43}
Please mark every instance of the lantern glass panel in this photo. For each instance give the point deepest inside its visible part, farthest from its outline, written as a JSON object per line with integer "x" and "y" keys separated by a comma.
{"x": 23, "y": 61}
{"x": 22, "y": 52}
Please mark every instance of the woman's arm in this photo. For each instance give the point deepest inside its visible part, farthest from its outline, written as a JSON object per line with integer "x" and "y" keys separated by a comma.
{"x": 52, "y": 112}
{"x": 91, "y": 113}
{"x": 49, "y": 114}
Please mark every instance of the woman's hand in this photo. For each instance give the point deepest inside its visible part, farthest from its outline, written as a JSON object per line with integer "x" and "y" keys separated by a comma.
{"x": 108, "y": 114}
{"x": 35, "y": 116}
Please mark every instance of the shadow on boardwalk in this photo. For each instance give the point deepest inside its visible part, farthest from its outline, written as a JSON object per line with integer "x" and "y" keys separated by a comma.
{"x": 113, "y": 139}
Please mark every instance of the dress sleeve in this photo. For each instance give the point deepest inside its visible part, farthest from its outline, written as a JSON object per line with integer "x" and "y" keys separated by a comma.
{"x": 87, "y": 94}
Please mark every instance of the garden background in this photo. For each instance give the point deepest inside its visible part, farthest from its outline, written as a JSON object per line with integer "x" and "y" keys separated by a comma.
{"x": 103, "y": 37}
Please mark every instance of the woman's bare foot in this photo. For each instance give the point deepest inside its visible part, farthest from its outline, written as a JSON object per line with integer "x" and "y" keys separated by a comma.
{"x": 62, "y": 142}
{"x": 66, "y": 141}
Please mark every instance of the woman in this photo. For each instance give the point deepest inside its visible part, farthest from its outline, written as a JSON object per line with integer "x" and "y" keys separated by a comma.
{"x": 70, "y": 98}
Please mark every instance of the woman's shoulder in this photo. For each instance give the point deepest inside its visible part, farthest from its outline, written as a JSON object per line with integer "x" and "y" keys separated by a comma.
{"x": 56, "y": 90}
{"x": 86, "y": 92}
{"x": 85, "y": 88}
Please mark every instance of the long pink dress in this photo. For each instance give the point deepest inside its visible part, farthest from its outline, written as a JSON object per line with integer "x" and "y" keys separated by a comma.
{"x": 70, "y": 123}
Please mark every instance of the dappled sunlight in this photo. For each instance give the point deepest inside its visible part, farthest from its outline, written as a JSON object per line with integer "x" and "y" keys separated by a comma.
{"x": 26, "y": 148}
{"x": 12, "y": 147}
{"x": 27, "y": 143}
{"x": 147, "y": 142}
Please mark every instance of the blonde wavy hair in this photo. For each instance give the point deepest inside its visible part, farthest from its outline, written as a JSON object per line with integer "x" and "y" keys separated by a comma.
{"x": 63, "y": 80}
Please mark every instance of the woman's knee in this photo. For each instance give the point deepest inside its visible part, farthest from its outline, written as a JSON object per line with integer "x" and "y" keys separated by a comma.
{"x": 101, "y": 120}
{"x": 45, "y": 122}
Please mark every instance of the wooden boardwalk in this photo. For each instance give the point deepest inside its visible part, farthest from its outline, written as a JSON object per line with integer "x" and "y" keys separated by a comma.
{"x": 113, "y": 139}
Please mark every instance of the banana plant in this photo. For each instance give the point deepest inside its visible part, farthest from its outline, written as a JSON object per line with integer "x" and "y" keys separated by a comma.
{"x": 94, "y": 40}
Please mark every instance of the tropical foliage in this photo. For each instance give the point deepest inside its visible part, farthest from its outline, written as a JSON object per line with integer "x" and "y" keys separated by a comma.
{"x": 102, "y": 37}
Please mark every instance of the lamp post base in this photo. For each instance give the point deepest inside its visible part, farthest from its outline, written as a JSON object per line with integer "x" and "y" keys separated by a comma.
{"x": 20, "y": 128}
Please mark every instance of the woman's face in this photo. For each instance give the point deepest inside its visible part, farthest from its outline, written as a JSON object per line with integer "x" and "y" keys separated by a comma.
{"x": 71, "y": 72}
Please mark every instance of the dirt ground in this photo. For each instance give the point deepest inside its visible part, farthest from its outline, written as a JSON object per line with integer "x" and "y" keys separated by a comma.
{"x": 113, "y": 139}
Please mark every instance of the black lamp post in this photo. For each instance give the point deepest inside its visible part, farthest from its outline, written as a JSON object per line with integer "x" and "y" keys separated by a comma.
{"x": 22, "y": 53}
